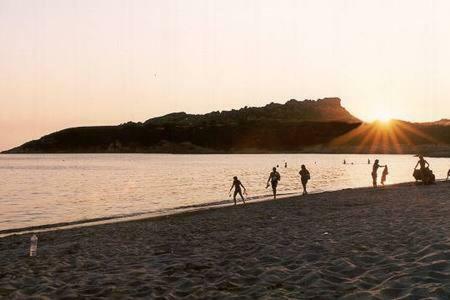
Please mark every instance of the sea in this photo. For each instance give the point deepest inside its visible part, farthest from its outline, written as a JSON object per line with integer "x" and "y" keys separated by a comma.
{"x": 73, "y": 189}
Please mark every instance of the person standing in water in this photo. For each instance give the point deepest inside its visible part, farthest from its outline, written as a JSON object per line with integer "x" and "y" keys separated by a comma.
{"x": 304, "y": 177}
{"x": 237, "y": 189}
{"x": 384, "y": 174}
{"x": 274, "y": 177}
{"x": 375, "y": 167}
{"x": 285, "y": 164}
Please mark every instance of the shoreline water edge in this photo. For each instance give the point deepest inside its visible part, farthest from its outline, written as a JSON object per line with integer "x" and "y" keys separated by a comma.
{"x": 150, "y": 215}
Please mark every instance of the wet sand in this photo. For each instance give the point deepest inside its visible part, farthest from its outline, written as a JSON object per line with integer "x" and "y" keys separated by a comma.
{"x": 389, "y": 243}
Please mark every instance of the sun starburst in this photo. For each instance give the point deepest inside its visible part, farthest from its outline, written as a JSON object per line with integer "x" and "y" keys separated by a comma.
{"x": 384, "y": 136}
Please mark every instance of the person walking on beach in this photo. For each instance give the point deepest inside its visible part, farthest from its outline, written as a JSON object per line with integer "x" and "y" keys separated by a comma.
{"x": 384, "y": 174}
{"x": 304, "y": 177}
{"x": 237, "y": 184}
{"x": 375, "y": 167}
{"x": 274, "y": 177}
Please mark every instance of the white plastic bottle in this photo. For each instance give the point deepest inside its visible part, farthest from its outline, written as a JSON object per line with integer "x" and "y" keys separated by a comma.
{"x": 33, "y": 245}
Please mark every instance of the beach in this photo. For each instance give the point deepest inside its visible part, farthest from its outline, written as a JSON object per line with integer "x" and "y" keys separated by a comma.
{"x": 385, "y": 243}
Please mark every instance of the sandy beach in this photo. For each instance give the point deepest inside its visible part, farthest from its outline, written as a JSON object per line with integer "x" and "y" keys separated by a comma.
{"x": 389, "y": 243}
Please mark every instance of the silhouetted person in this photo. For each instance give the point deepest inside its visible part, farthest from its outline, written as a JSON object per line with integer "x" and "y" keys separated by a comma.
{"x": 425, "y": 174}
{"x": 375, "y": 167}
{"x": 345, "y": 162}
{"x": 423, "y": 166}
{"x": 448, "y": 174}
{"x": 304, "y": 177}
{"x": 368, "y": 161}
{"x": 285, "y": 164}
{"x": 384, "y": 174}
{"x": 237, "y": 189}
{"x": 274, "y": 177}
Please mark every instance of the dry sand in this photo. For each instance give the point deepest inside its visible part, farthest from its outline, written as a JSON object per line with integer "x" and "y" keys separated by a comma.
{"x": 391, "y": 243}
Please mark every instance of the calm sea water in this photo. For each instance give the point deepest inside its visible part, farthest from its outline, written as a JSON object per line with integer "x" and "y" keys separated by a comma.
{"x": 54, "y": 188}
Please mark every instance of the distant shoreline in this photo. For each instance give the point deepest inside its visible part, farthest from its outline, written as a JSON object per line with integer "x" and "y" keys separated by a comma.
{"x": 441, "y": 152}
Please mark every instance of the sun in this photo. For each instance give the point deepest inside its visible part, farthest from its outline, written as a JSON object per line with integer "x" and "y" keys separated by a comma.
{"x": 383, "y": 117}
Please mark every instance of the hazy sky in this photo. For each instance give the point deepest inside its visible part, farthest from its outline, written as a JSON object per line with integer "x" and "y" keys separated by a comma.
{"x": 90, "y": 62}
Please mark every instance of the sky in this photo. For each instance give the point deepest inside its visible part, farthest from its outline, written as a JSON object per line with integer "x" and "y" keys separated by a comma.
{"x": 99, "y": 62}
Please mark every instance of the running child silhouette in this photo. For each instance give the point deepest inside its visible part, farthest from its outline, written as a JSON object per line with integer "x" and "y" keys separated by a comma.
{"x": 237, "y": 189}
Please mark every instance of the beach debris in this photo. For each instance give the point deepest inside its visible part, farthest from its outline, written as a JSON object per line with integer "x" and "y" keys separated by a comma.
{"x": 33, "y": 245}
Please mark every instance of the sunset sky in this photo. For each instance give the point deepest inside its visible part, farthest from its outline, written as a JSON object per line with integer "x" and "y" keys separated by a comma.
{"x": 97, "y": 62}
